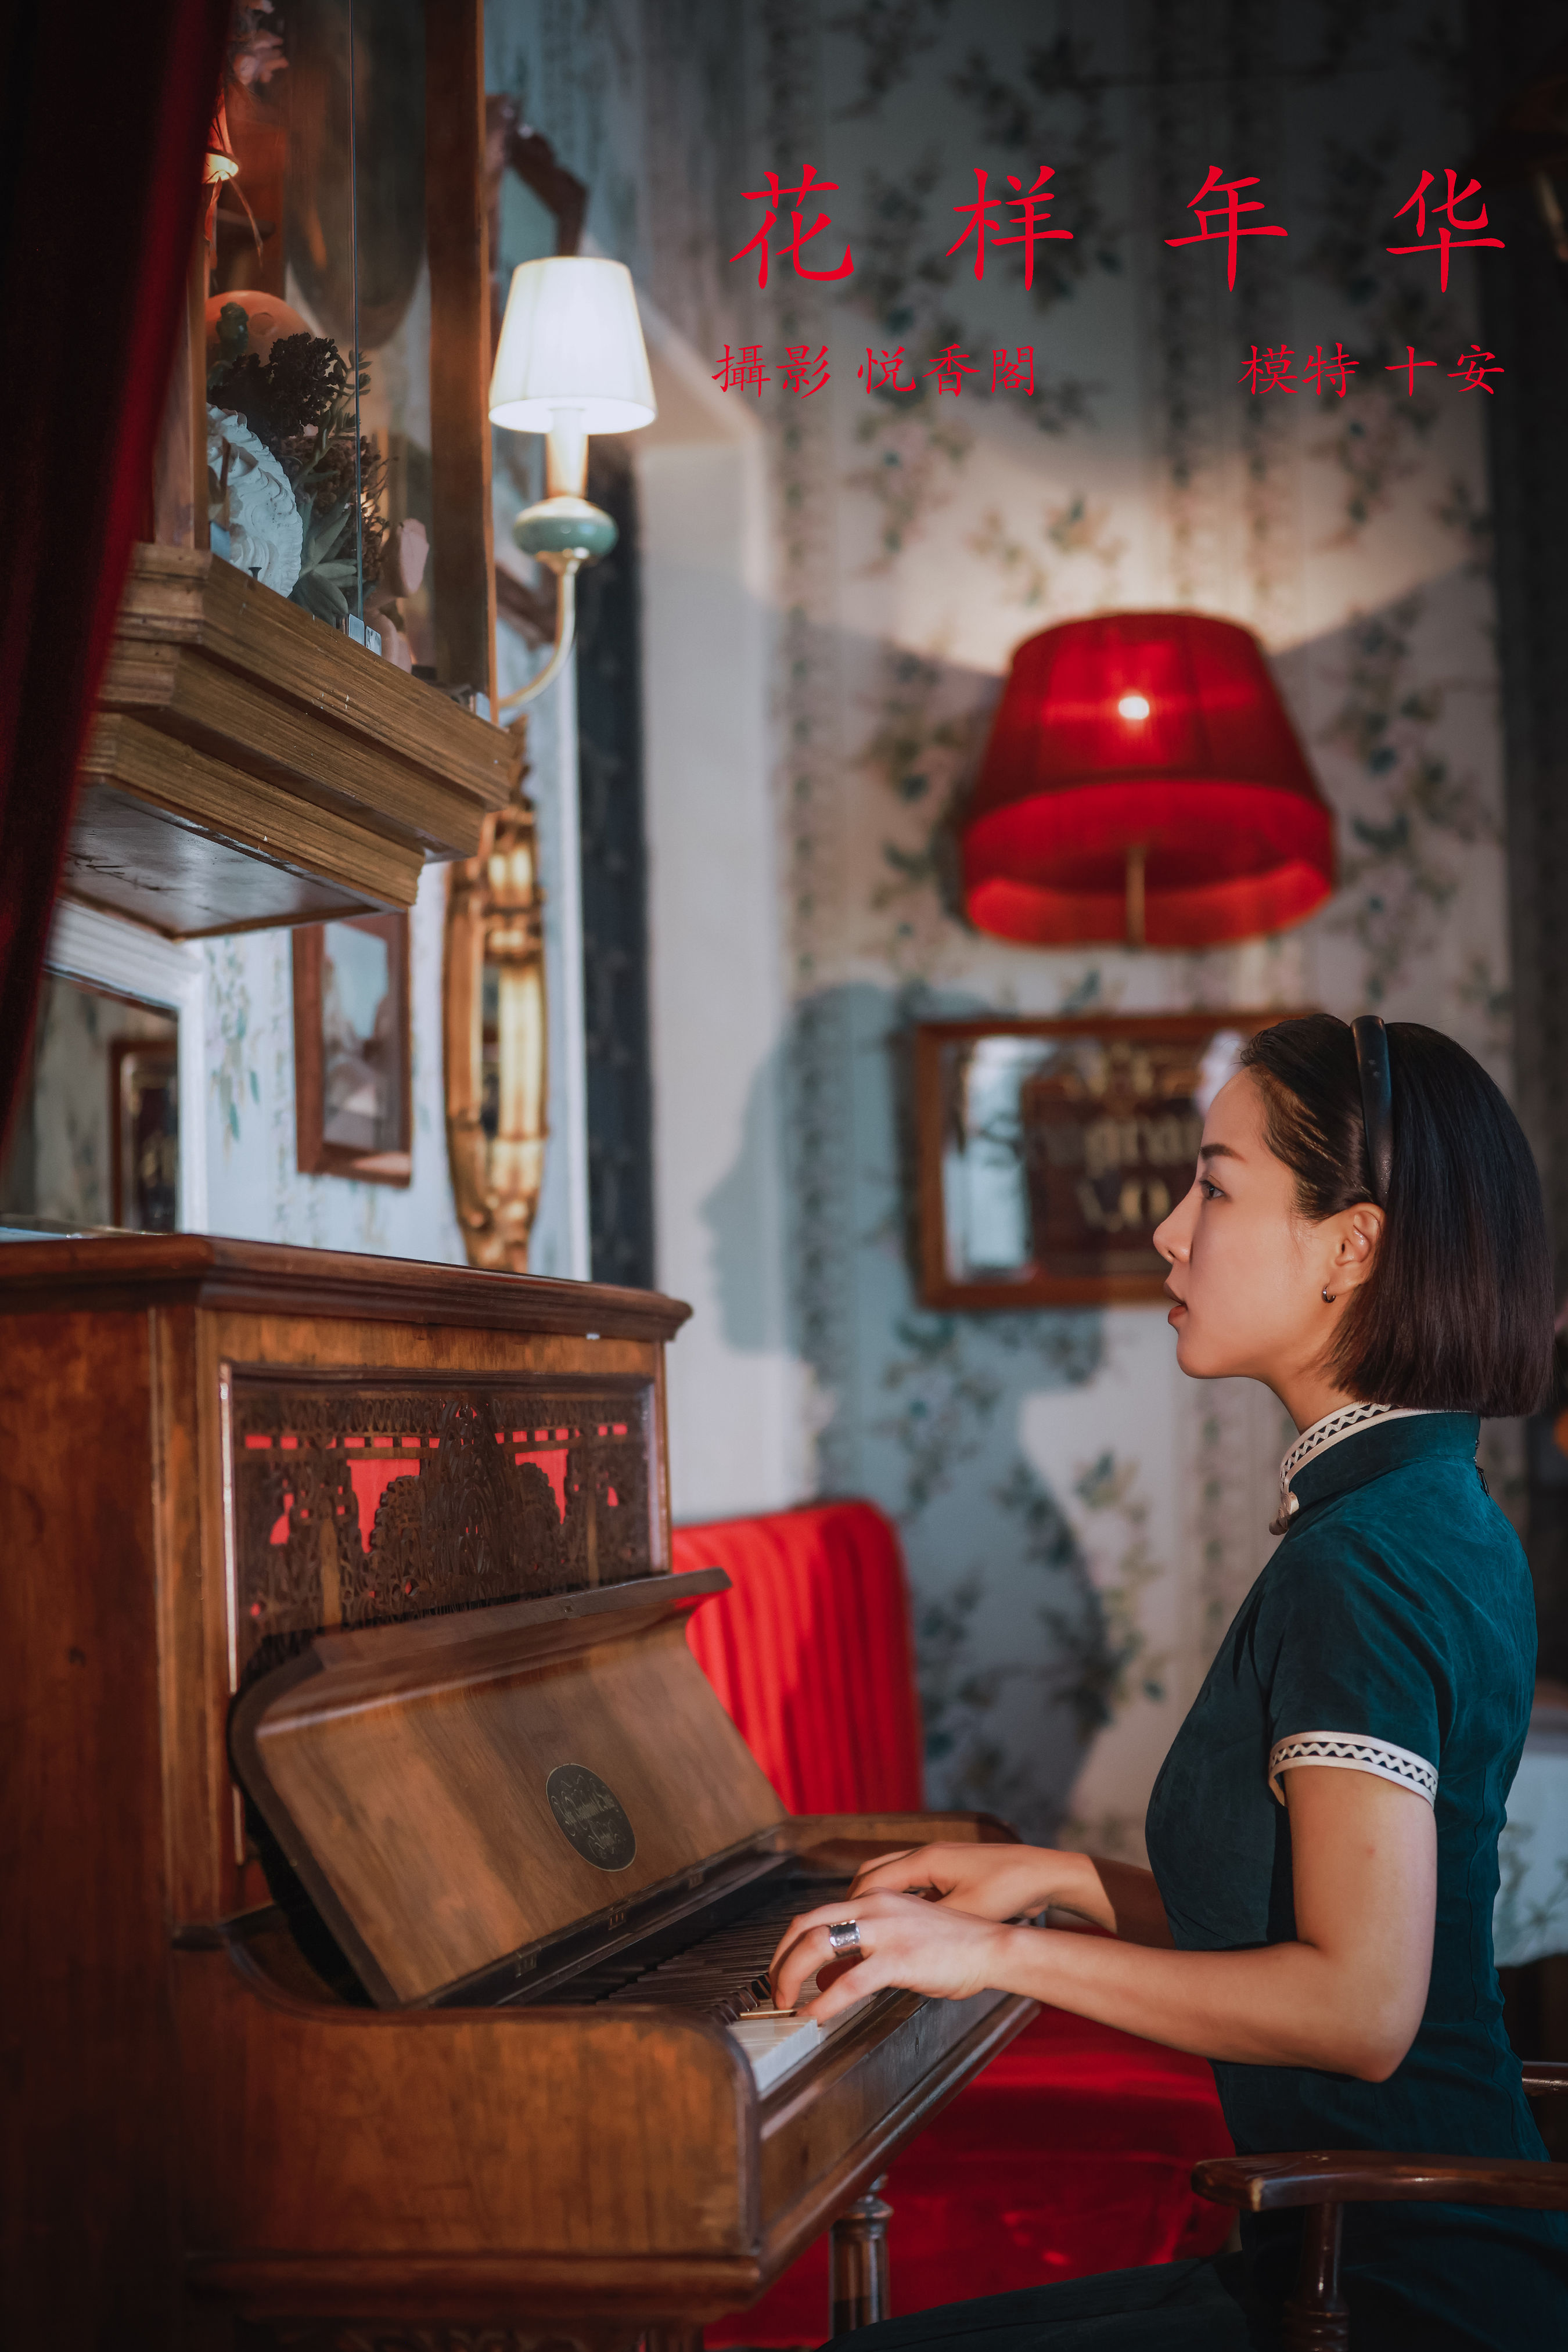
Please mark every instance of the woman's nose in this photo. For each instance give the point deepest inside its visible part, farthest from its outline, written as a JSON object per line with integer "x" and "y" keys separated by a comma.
{"x": 1172, "y": 1239}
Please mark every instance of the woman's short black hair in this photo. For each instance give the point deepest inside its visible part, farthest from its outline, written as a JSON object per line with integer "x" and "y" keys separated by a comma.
{"x": 1457, "y": 1315}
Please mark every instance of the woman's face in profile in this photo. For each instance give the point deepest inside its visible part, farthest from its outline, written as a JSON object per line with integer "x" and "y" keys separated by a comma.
{"x": 1245, "y": 1272}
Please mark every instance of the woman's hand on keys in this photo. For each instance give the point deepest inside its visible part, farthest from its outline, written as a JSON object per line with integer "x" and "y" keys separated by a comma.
{"x": 918, "y": 1945}
{"x": 990, "y": 1881}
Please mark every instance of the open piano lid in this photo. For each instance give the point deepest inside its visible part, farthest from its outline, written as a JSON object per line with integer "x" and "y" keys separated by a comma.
{"x": 455, "y": 1790}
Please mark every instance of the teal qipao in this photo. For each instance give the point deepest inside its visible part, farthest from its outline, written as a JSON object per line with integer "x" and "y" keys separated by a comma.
{"x": 1392, "y": 1632}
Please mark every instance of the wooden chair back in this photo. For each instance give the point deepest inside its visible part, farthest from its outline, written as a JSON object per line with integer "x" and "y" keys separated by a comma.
{"x": 1325, "y": 2181}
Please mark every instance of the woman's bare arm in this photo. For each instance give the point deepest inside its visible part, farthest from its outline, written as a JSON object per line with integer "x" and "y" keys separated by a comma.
{"x": 1009, "y": 1882}
{"x": 1346, "y": 1995}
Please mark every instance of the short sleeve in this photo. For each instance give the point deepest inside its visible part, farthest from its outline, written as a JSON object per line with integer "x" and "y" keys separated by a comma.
{"x": 1355, "y": 1674}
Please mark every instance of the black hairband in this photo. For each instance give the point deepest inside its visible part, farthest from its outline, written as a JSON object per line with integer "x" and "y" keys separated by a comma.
{"x": 1376, "y": 1101}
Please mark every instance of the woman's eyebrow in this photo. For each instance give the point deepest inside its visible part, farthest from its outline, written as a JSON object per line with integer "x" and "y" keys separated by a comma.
{"x": 1217, "y": 1152}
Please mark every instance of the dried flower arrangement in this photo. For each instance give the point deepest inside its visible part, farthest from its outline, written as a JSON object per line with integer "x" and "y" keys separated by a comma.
{"x": 299, "y": 401}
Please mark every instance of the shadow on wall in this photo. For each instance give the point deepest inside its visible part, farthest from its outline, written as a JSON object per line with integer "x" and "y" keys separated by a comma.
{"x": 1019, "y": 1663}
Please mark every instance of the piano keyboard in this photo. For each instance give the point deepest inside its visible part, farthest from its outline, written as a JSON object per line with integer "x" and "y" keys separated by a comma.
{"x": 722, "y": 1975}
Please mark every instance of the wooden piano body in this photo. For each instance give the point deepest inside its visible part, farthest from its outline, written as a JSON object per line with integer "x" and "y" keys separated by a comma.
{"x": 402, "y": 2051}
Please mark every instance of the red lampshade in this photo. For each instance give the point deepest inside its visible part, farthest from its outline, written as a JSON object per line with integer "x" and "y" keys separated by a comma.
{"x": 1143, "y": 780}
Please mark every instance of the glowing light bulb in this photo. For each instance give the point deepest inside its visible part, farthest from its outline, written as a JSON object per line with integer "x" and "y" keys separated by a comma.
{"x": 1133, "y": 705}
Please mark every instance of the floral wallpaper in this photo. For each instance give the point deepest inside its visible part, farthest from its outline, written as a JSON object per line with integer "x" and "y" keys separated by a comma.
{"x": 1079, "y": 1521}
{"x": 255, "y": 1189}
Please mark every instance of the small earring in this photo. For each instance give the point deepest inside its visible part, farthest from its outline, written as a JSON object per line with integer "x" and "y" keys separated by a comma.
{"x": 1328, "y": 1296}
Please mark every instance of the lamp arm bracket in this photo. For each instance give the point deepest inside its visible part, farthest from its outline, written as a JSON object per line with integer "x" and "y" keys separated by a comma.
{"x": 566, "y": 635}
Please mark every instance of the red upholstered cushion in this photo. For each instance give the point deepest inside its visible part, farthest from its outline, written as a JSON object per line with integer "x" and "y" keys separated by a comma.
{"x": 1072, "y": 2152}
{"x": 811, "y": 1656}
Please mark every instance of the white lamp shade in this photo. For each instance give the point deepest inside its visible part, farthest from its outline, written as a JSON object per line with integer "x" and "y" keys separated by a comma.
{"x": 572, "y": 339}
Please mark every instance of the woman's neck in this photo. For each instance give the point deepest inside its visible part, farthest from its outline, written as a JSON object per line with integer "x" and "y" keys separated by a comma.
{"x": 1308, "y": 1398}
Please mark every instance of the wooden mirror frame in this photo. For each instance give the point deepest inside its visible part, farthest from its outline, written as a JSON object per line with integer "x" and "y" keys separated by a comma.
{"x": 1032, "y": 1287}
{"x": 317, "y": 1156}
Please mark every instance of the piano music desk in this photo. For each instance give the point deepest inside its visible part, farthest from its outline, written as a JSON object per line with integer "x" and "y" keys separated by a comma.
{"x": 389, "y": 1543}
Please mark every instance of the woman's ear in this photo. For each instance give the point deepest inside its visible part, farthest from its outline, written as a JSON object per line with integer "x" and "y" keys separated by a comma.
{"x": 1360, "y": 1230}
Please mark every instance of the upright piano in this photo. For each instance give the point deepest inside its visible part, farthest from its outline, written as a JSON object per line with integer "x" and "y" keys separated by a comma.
{"x": 384, "y": 1889}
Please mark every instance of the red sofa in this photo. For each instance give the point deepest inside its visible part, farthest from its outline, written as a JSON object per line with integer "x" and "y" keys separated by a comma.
{"x": 1073, "y": 2152}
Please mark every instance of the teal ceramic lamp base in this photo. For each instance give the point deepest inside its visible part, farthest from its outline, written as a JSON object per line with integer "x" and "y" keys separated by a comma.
{"x": 565, "y": 529}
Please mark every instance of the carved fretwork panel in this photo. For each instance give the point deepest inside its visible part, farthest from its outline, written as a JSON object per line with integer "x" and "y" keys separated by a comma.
{"x": 361, "y": 1501}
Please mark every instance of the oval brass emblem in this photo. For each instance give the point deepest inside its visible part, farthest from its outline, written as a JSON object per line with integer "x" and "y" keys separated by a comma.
{"x": 591, "y": 1816}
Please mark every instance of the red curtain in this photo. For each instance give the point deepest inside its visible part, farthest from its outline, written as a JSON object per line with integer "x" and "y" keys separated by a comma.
{"x": 103, "y": 119}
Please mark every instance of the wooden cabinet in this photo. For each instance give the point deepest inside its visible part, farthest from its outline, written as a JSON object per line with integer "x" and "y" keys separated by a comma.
{"x": 250, "y": 766}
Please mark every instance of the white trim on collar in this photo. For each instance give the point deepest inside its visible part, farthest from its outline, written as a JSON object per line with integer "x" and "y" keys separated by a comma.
{"x": 1343, "y": 1421}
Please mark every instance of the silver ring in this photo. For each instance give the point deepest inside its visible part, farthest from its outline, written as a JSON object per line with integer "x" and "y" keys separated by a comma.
{"x": 844, "y": 1936}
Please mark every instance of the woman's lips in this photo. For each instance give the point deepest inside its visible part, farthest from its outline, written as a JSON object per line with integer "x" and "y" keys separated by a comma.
{"x": 1178, "y": 1309}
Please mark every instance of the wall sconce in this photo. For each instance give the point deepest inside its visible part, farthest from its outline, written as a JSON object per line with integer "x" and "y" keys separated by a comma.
{"x": 571, "y": 361}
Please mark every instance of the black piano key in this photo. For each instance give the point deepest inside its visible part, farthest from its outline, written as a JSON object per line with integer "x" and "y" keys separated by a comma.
{"x": 722, "y": 1975}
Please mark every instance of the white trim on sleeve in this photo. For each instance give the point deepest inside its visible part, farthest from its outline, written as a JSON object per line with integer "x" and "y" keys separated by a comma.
{"x": 1352, "y": 1753}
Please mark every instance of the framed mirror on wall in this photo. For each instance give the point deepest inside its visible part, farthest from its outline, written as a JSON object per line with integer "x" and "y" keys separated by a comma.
{"x": 353, "y": 1054}
{"x": 109, "y": 1131}
{"x": 1048, "y": 1152}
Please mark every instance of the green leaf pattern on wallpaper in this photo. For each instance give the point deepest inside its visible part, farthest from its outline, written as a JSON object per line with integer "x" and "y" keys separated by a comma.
{"x": 233, "y": 1077}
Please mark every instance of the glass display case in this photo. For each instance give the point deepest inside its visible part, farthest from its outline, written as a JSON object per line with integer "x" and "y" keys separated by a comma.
{"x": 321, "y": 428}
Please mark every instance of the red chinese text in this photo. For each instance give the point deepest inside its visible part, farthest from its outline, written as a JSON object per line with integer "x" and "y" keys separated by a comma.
{"x": 1014, "y": 371}
{"x": 1335, "y": 373}
{"x": 797, "y": 364}
{"x": 950, "y": 367}
{"x": 1268, "y": 371}
{"x": 1446, "y": 240}
{"x": 746, "y": 373}
{"x": 1028, "y": 205}
{"x": 1229, "y": 215}
{"x": 1473, "y": 368}
{"x": 880, "y": 371}
{"x": 800, "y": 236}
{"x": 1407, "y": 367}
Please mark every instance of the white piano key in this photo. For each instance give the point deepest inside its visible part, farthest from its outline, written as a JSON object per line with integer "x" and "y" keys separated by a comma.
{"x": 776, "y": 2041}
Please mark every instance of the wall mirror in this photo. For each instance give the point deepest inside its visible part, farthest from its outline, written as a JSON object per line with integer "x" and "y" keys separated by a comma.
{"x": 1049, "y": 1150}
{"x": 98, "y": 1138}
{"x": 353, "y": 1062}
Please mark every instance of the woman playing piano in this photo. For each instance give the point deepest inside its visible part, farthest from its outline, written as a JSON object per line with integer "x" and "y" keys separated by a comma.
{"x": 1364, "y": 1236}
